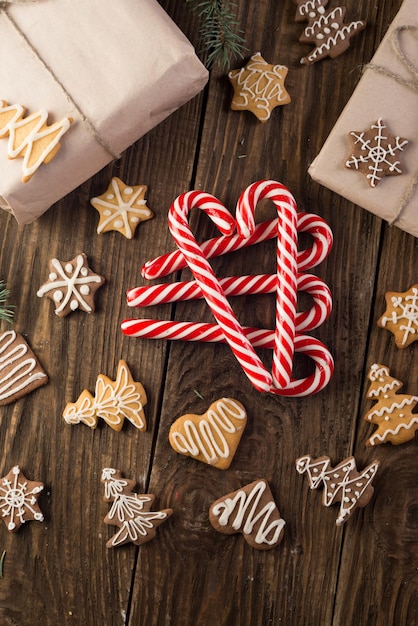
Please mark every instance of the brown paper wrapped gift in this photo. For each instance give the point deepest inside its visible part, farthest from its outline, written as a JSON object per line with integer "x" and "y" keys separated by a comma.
{"x": 388, "y": 89}
{"x": 118, "y": 68}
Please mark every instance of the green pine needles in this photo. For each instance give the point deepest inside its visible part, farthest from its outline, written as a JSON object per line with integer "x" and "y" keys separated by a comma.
{"x": 222, "y": 39}
{"x": 6, "y": 313}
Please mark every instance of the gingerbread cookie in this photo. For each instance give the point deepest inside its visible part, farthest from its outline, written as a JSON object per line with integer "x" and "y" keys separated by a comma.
{"x": 375, "y": 153}
{"x": 122, "y": 208}
{"x": 130, "y": 511}
{"x": 71, "y": 285}
{"x": 342, "y": 483}
{"x": 18, "y": 499}
{"x": 212, "y": 437}
{"x": 259, "y": 87}
{"x": 326, "y": 29}
{"x": 20, "y": 370}
{"x": 251, "y": 511}
{"x": 401, "y": 316}
{"x": 393, "y": 411}
{"x": 114, "y": 402}
{"x": 30, "y": 137}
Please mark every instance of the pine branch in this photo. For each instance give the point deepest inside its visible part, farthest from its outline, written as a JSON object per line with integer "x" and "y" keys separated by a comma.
{"x": 6, "y": 313}
{"x": 222, "y": 39}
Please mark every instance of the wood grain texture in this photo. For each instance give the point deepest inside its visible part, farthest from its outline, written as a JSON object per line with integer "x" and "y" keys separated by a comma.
{"x": 364, "y": 573}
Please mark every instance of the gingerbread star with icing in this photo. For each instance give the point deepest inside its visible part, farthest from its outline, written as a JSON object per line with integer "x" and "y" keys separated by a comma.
{"x": 259, "y": 87}
{"x": 401, "y": 316}
{"x": 71, "y": 285}
{"x": 121, "y": 207}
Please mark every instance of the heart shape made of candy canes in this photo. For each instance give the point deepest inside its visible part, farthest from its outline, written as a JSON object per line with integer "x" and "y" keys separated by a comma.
{"x": 249, "y": 233}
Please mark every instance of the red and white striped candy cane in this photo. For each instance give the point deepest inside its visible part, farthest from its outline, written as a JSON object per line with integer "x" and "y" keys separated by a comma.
{"x": 238, "y": 286}
{"x": 306, "y": 259}
{"x": 286, "y": 285}
{"x": 259, "y": 337}
{"x": 204, "y": 276}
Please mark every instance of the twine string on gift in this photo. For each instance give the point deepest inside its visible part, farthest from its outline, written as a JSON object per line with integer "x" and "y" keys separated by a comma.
{"x": 85, "y": 120}
{"x": 411, "y": 84}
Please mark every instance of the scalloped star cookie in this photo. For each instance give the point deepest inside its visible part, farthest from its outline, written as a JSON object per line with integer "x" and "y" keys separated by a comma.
{"x": 259, "y": 87}
{"x": 19, "y": 499}
{"x": 401, "y": 316}
{"x": 121, "y": 207}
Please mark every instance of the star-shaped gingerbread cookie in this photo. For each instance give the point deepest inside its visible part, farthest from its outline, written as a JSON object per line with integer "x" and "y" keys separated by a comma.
{"x": 122, "y": 207}
{"x": 375, "y": 152}
{"x": 401, "y": 316}
{"x": 19, "y": 499}
{"x": 259, "y": 87}
{"x": 71, "y": 285}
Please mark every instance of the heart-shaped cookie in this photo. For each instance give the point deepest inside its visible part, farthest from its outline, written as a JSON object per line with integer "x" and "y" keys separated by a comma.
{"x": 212, "y": 437}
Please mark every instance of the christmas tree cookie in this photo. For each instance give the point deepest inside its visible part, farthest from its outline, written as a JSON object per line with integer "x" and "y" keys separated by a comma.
{"x": 342, "y": 483}
{"x": 393, "y": 412}
{"x": 30, "y": 137}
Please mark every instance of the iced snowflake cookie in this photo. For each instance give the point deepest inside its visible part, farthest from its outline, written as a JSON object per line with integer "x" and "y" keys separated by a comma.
{"x": 259, "y": 87}
{"x": 71, "y": 285}
{"x": 212, "y": 437}
{"x": 20, "y": 370}
{"x": 130, "y": 511}
{"x": 342, "y": 483}
{"x": 122, "y": 208}
{"x": 396, "y": 423}
{"x": 375, "y": 153}
{"x": 401, "y": 316}
{"x": 30, "y": 137}
{"x": 114, "y": 402}
{"x": 18, "y": 499}
{"x": 326, "y": 29}
{"x": 251, "y": 511}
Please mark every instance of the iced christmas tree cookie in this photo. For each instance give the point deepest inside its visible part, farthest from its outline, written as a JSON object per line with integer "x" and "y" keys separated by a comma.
{"x": 259, "y": 87}
{"x": 130, "y": 511}
{"x": 30, "y": 137}
{"x": 342, "y": 483}
{"x": 114, "y": 401}
{"x": 122, "y": 208}
{"x": 71, "y": 285}
{"x": 393, "y": 412}
{"x": 19, "y": 499}
{"x": 326, "y": 30}
{"x": 401, "y": 316}
{"x": 376, "y": 153}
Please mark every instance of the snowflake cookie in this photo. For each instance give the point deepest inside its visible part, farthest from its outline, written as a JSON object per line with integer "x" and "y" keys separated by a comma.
{"x": 259, "y": 87}
{"x": 113, "y": 402}
{"x": 18, "y": 499}
{"x": 401, "y": 316}
{"x": 326, "y": 29}
{"x": 342, "y": 483}
{"x": 71, "y": 285}
{"x": 122, "y": 208}
{"x": 396, "y": 423}
{"x": 130, "y": 511}
{"x": 375, "y": 153}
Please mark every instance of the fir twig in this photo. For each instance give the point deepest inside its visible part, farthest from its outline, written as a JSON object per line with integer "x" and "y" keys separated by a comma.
{"x": 6, "y": 313}
{"x": 222, "y": 39}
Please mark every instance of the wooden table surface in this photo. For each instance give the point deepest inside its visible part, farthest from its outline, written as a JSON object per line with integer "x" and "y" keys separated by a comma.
{"x": 60, "y": 572}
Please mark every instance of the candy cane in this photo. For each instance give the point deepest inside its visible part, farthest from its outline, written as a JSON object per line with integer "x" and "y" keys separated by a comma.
{"x": 204, "y": 276}
{"x": 306, "y": 259}
{"x": 286, "y": 285}
{"x": 238, "y": 286}
{"x": 260, "y": 338}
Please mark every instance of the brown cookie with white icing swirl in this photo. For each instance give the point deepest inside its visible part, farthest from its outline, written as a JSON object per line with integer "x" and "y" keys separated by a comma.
{"x": 20, "y": 370}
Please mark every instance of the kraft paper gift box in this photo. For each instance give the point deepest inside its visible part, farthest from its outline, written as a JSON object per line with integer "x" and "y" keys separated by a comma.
{"x": 388, "y": 89}
{"x": 116, "y": 67}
